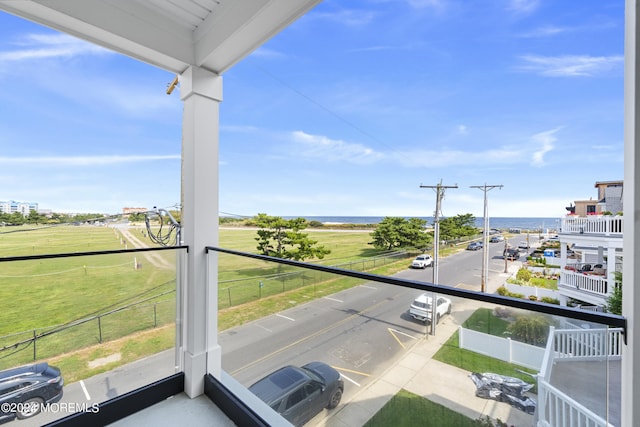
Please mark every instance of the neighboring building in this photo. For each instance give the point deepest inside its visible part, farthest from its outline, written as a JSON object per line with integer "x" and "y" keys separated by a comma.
{"x": 610, "y": 196}
{"x": 609, "y": 200}
{"x": 11, "y": 206}
{"x": 596, "y": 242}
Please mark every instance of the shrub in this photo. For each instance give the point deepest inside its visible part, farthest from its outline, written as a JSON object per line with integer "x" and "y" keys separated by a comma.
{"x": 550, "y": 300}
{"x": 523, "y": 274}
{"x": 502, "y": 290}
{"x": 532, "y": 329}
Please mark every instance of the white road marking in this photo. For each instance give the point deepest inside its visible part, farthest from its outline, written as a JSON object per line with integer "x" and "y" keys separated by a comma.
{"x": 285, "y": 317}
{"x": 266, "y": 329}
{"x": 368, "y": 287}
{"x": 349, "y": 379}
{"x": 84, "y": 389}
{"x": 333, "y": 299}
{"x": 401, "y": 333}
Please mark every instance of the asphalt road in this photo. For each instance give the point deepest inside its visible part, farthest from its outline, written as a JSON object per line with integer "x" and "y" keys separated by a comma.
{"x": 360, "y": 331}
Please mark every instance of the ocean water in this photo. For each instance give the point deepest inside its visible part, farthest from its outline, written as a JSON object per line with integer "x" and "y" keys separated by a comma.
{"x": 497, "y": 222}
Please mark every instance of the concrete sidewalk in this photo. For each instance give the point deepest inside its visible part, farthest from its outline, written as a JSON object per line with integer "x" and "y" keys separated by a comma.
{"x": 418, "y": 373}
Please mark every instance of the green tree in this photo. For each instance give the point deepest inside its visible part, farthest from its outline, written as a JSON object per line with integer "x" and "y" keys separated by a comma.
{"x": 282, "y": 238}
{"x": 614, "y": 302}
{"x": 396, "y": 232}
{"x": 137, "y": 217}
{"x": 16, "y": 218}
{"x": 458, "y": 226}
{"x": 34, "y": 217}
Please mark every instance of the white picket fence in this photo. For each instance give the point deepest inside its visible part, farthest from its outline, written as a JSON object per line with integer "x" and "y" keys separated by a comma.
{"x": 526, "y": 355}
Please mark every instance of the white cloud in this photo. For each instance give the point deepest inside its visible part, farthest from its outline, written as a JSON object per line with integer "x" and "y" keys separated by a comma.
{"x": 545, "y": 140}
{"x": 348, "y": 17}
{"x": 448, "y": 158}
{"x": 570, "y": 65}
{"x": 42, "y": 46}
{"x": 333, "y": 150}
{"x": 462, "y": 129}
{"x": 523, "y": 6}
{"x": 63, "y": 161}
{"x": 547, "y": 31}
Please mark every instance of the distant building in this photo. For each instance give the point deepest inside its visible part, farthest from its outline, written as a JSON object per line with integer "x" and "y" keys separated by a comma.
{"x": 11, "y": 206}
{"x": 127, "y": 211}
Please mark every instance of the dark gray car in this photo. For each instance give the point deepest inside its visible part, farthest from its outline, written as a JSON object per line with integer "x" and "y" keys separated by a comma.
{"x": 24, "y": 390}
{"x": 300, "y": 393}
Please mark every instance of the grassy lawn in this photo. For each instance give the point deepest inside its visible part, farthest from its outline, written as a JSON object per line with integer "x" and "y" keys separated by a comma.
{"x": 541, "y": 282}
{"x": 48, "y": 294}
{"x": 406, "y": 409}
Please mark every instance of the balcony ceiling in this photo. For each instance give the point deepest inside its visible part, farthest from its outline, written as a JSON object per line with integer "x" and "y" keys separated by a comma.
{"x": 170, "y": 34}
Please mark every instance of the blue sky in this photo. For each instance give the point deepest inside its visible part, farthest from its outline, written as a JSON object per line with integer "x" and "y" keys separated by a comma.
{"x": 347, "y": 112}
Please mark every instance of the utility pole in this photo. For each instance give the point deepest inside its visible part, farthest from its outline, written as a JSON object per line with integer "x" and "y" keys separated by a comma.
{"x": 485, "y": 235}
{"x": 439, "y": 188}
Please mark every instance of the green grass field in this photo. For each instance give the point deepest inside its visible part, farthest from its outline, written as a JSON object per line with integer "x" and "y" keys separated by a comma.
{"x": 45, "y": 295}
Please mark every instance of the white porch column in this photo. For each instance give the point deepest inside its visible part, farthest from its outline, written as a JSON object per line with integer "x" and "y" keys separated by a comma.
{"x": 201, "y": 92}
{"x": 631, "y": 237}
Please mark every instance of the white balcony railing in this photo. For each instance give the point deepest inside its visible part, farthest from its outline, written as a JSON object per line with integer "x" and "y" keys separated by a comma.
{"x": 601, "y": 225}
{"x": 581, "y": 344}
{"x": 556, "y": 408}
{"x": 592, "y": 283}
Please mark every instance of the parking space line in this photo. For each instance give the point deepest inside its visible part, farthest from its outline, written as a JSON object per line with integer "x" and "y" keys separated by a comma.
{"x": 266, "y": 329}
{"x": 84, "y": 389}
{"x": 369, "y": 287}
{"x": 349, "y": 379}
{"x": 393, "y": 334}
{"x": 285, "y": 317}
{"x": 350, "y": 370}
{"x": 333, "y": 299}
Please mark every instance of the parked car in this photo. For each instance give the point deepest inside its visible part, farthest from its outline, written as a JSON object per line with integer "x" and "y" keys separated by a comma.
{"x": 420, "y": 308}
{"x": 300, "y": 393}
{"x": 496, "y": 239}
{"x": 523, "y": 244}
{"x": 511, "y": 253}
{"x": 24, "y": 390}
{"x": 422, "y": 261}
{"x": 474, "y": 246}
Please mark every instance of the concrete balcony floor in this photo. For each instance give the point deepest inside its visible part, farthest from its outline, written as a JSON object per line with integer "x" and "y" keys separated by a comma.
{"x": 178, "y": 410}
